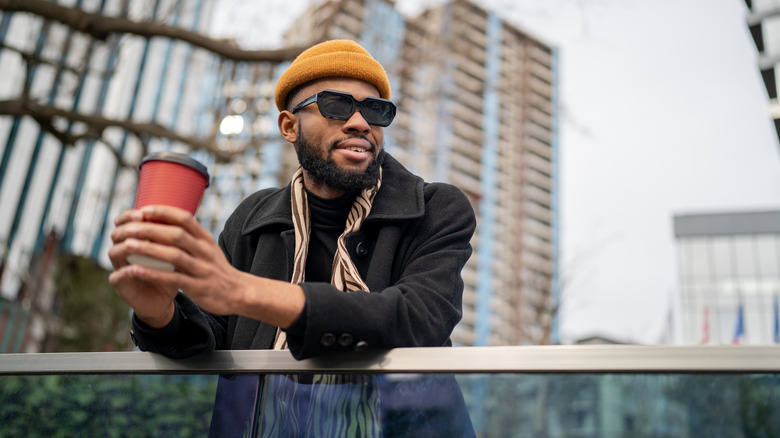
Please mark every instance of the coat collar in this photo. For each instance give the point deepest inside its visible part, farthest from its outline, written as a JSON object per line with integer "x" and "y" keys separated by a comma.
{"x": 400, "y": 198}
{"x": 401, "y": 195}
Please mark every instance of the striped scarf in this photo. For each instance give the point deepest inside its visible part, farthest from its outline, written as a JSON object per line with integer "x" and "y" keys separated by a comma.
{"x": 344, "y": 274}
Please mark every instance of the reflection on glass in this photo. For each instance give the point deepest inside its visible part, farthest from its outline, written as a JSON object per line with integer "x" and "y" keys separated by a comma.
{"x": 393, "y": 405}
{"x": 333, "y": 405}
{"x": 235, "y": 406}
{"x": 623, "y": 405}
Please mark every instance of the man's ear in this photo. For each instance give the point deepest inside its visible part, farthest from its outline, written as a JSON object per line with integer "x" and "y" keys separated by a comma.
{"x": 288, "y": 126}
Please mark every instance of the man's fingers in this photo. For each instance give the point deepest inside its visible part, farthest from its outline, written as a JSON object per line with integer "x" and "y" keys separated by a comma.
{"x": 175, "y": 216}
{"x": 128, "y": 216}
{"x": 117, "y": 256}
{"x": 171, "y": 253}
{"x": 119, "y": 274}
{"x": 155, "y": 250}
{"x": 162, "y": 234}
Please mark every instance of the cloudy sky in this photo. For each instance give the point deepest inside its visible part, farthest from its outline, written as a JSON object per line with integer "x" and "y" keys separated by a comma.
{"x": 662, "y": 112}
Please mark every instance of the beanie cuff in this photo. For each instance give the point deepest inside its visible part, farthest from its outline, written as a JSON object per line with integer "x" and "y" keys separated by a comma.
{"x": 347, "y": 60}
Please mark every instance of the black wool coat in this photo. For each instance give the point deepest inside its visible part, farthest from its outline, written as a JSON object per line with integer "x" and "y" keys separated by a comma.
{"x": 410, "y": 251}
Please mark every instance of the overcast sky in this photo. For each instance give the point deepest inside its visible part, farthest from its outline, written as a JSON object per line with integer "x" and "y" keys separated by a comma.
{"x": 662, "y": 112}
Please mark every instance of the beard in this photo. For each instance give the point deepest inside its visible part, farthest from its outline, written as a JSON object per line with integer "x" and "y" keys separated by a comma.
{"x": 327, "y": 171}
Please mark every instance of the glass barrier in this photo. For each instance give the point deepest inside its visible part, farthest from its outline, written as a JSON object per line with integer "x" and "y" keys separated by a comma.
{"x": 106, "y": 405}
{"x": 576, "y": 391}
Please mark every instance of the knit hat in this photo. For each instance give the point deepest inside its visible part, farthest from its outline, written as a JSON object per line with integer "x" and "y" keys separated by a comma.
{"x": 334, "y": 58}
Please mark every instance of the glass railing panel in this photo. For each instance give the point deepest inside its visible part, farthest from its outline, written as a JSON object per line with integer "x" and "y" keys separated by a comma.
{"x": 521, "y": 405}
{"x": 106, "y": 405}
{"x": 367, "y": 405}
{"x": 485, "y": 392}
{"x": 623, "y": 405}
{"x": 236, "y": 406}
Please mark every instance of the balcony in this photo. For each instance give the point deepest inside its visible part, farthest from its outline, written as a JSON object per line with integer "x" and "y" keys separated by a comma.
{"x": 584, "y": 391}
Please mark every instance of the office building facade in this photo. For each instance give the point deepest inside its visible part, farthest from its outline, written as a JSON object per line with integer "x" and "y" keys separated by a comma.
{"x": 729, "y": 270}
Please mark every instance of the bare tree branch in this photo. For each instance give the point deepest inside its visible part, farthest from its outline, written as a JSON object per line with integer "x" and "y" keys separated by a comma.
{"x": 120, "y": 160}
{"x": 101, "y": 26}
{"x": 30, "y": 57}
{"x": 45, "y": 116}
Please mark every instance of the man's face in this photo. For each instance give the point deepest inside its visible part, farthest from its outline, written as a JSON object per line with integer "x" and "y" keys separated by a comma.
{"x": 327, "y": 171}
{"x": 337, "y": 155}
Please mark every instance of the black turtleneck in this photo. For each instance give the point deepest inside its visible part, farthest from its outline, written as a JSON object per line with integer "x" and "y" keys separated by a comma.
{"x": 328, "y": 219}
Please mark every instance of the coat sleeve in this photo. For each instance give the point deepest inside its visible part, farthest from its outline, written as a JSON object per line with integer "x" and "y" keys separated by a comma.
{"x": 420, "y": 308}
{"x": 190, "y": 332}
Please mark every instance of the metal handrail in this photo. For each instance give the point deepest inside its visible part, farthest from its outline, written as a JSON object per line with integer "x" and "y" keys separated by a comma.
{"x": 521, "y": 359}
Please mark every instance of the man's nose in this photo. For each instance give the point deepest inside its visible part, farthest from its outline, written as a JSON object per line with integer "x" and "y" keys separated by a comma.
{"x": 357, "y": 123}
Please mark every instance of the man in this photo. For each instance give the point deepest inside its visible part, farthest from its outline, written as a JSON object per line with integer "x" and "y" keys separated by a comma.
{"x": 356, "y": 252}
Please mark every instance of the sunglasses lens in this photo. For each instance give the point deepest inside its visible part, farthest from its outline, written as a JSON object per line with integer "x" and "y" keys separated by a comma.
{"x": 377, "y": 112}
{"x": 336, "y": 106}
{"x": 340, "y": 106}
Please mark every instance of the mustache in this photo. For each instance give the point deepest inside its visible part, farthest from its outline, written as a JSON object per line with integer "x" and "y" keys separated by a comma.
{"x": 335, "y": 142}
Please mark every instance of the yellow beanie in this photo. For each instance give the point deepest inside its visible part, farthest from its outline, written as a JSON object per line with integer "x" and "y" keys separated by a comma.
{"x": 335, "y": 58}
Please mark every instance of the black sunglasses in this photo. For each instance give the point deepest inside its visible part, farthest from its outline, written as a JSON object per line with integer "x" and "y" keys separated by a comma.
{"x": 339, "y": 105}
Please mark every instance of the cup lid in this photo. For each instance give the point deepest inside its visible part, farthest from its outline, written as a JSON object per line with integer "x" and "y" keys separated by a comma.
{"x": 175, "y": 157}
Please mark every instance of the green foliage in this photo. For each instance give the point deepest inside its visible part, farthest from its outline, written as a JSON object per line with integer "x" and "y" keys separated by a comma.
{"x": 93, "y": 317}
{"x": 106, "y": 405}
{"x": 758, "y": 406}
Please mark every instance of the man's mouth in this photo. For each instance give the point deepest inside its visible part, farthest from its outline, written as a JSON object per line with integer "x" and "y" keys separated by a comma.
{"x": 355, "y": 149}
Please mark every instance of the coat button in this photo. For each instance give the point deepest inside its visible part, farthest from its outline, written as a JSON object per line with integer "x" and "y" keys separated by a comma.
{"x": 345, "y": 340}
{"x": 328, "y": 340}
{"x": 361, "y": 250}
{"x": 361, "y": 345}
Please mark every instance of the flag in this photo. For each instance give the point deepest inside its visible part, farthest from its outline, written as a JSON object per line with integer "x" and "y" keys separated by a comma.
{"x": 777, "y": 320}
{"x": 705, "y": 337}
{"x": 739, "y": 333}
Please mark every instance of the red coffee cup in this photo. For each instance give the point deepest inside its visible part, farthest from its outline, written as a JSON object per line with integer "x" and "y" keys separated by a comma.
{"x": 169, "y": 178}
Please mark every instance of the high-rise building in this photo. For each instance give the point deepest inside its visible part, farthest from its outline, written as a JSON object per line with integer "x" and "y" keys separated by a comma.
{"x": 494, "y": 137}
{"x": 476, "y": 98}
{"x": 729, "y": 270}
{"x": 764, "y": 24}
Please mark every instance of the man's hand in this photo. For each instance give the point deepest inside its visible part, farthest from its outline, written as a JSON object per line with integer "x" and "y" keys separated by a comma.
{"x": 201, "y": 270}
{"x": 152, "y": 302}
{"x": 172, "y": 235}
